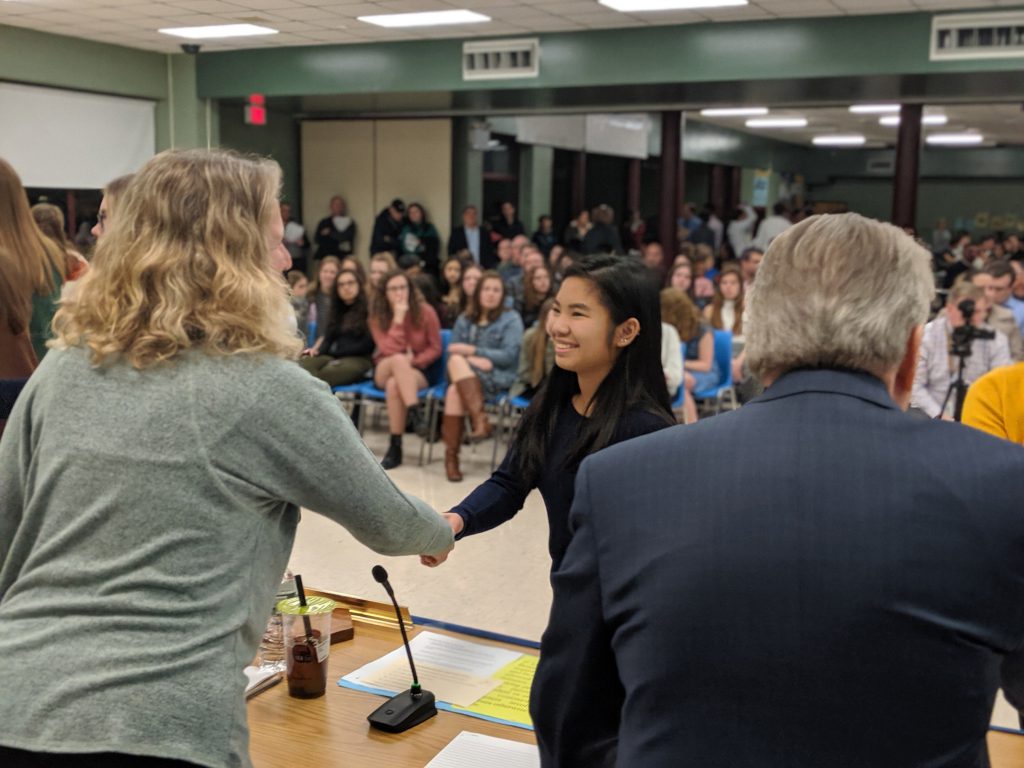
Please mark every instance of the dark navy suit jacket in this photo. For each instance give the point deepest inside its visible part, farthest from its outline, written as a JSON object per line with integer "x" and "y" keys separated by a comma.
{"x": 815, "y": 580}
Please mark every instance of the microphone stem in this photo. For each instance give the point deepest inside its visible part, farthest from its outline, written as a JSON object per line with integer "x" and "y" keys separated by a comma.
{"x": 415, "y": 688}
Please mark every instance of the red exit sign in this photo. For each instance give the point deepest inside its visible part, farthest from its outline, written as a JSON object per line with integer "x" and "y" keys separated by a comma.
{"x": 256, "y": 110}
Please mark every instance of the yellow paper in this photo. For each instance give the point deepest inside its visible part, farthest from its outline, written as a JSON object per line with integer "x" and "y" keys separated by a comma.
{"x": 511, "y": 699}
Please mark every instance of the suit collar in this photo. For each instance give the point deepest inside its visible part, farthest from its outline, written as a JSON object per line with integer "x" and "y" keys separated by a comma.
{"x": 852, "y": 383}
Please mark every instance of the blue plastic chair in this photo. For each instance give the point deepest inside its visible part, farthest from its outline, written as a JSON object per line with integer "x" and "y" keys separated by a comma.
{"x": 311, "y": 333}
{"x": 723, "y": 357}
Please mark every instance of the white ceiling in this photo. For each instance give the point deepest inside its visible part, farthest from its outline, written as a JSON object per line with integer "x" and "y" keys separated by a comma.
{"x": 134, "y": 23}
{"x": 999, "y": 123}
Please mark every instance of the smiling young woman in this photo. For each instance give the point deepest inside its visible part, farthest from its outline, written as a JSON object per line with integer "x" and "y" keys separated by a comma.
{"x": 607, "y": 386}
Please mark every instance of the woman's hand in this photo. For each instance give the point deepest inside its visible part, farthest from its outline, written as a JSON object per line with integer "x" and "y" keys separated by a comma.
{"x": 459, "y": 348}
{"x": 400, "y": 310}
{"x": 480, "y": 362}
{"x": 308, "y": 352}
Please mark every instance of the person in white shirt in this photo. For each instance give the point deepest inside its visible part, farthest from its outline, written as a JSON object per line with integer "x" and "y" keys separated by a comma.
{"x": 671, "y": 358}
{"x": 740, "y": 231}
{"x": 773, "y": 226}
{"x": 937, "y": 367}
{"x": 725, "y": 312}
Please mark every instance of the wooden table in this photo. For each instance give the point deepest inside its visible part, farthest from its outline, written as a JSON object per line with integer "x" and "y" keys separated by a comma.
{"x": 333, "y": 730}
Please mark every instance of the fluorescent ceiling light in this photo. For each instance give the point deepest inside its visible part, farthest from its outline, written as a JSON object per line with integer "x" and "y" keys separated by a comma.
{"x": 892, "y": 120}
{"x": 777, "y": 122}
{"x": 218, "y": 30}
{"x": 629, "y": 6}
{"x": 955, "y": 139}
{"x": 839, "y": 140}
{"x": 425, "y": 19}
{"x": 735, "y": 112}
{"x": 874, "y": 109}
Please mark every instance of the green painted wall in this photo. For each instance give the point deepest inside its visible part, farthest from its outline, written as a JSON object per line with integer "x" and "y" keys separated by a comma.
{"x": 536, "y": 165}
{"x": 467, "y": 171}
{"x": 278, "y": 139}
{"x": 739, "y": 51}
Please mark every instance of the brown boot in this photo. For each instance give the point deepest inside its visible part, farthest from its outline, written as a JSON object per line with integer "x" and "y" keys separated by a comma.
{"x": 471, "y": 392}
{"x": 451, "y": 433}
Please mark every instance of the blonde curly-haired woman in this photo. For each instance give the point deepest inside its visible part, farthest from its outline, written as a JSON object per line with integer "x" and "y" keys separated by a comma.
{"x": 151, "y": 476}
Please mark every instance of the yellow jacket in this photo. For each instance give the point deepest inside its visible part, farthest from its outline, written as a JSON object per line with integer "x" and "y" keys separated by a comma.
{"x": 995, "y": 403}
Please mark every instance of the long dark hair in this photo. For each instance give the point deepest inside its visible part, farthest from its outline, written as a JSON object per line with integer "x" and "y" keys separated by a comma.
{"x": 636, "y": 381}
{"x": 349, "y": 318}
{"x": 380, "y": 308}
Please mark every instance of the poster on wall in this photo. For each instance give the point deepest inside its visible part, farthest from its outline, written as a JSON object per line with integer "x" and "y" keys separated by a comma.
{"x": 759, "y": 196}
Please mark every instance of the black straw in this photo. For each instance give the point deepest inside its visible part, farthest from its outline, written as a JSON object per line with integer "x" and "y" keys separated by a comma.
{"x": 302, "y": 601}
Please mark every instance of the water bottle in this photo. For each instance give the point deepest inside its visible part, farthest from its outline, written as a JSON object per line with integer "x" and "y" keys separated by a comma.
{"x": 271, "y": 654}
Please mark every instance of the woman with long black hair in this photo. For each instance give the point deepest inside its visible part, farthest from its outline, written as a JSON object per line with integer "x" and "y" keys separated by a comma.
{"x": 607, "y": 386}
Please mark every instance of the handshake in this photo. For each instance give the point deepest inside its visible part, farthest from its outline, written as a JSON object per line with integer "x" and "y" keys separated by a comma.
{"x": 457, "y": 523}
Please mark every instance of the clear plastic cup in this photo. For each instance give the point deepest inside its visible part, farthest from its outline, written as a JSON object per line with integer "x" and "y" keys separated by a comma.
{"x": 307, "y": 644}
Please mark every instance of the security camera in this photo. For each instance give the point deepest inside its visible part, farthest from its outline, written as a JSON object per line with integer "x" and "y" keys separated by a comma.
{"x": 190, "y": 47}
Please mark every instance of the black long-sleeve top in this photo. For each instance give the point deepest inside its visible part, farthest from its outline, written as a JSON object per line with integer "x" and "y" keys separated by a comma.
{"x": 350, "y": 342}
{"x": 501, "y": 496}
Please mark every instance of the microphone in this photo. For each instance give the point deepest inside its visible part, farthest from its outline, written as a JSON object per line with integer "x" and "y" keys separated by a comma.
{"x": 409, "y": 708}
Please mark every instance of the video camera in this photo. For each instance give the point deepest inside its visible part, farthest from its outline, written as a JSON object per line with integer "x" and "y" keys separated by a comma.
{"x": 964, "y": 336}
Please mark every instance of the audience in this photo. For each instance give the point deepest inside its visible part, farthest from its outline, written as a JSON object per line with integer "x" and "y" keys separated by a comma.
{"x": 994, "y": 403}
{"x": 602, "y": 237}
{"x": 451, "y": 288}
{"x": 544, "y": 238}
{"x": 772, "y": 226}
{"x": 506, "y": 226}
{"x": 750, "y": 260}
{"x": 470, "y": 277}
{"x": 577, "y": 231}
{"x": 295, "y": 241}
{"x": 482, "y": 358}
{"x": 936, "y": 367}
{"x": 298, "y": 287}
{"x": 473, "y": 238}
{"x": 408, "y": 338}
{"x": 322, "y": 294}
{"x": 381, "y": 264}
{"x": 38, "y": 266}
{"x": 725, "y": 312}
{"x": 50, "y": 220}
{"x": 654, "y": 257}
{"x": 387, "y": 228}
{"x": 343, "y": 353}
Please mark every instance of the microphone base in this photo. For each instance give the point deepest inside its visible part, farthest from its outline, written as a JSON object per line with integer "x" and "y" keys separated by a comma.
{"x": 402, "y": 712}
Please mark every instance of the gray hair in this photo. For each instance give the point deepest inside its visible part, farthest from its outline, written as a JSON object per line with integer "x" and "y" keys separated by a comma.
{"x": 837, "y": 291}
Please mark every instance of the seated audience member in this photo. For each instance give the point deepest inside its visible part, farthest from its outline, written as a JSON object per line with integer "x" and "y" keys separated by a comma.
{"x": 554, "y": 256}
{"x": 506, "y": 226}
{"x": 408, "y": 338}
{"x": 354, "y": 264}
{"x": 680, "y": 277}
{"x": 700, "y": 370}
{"x": 671, "y": 358}
{"x": 750, "y": 260}
{"x": 428, "y": 290}
{"x": 996, "y": 280}
{"x": 109, "y": 204}
{"x": 505, "y": 263}
{"x": 536, "y": 356}
{"x": 298, "y": 287}
{"x": 545, "y": 238}
{"x": 994, "y": 403}
{"x": 470, "y": 277}
{"x": 451, "y": 290}
{"x": 343, "y": 353}
{"x": 937, "y": 369}
{"x": 151, "y": 519}
{"x": 725, "y": 312}
{"x": 811, "y": 568}
{"x": 50, "y": 220}
{"x": 321, "y": 294}
{"x": 515, "y": 284}
{"x": 538, "y": 288}
{"x": 654, "y": 257}
{"x": 482, "y": 358}
{"x": 419, "y": 243}
{"x": 565, "y": 261}
{"x": 38, "y": 266}
{"x": 1012, "y": 248}
{"x": 634, "y": 231}
{"x": 381, "y": 264}
{"x": 703, "y": 265}
{"x": 336, "y": 232}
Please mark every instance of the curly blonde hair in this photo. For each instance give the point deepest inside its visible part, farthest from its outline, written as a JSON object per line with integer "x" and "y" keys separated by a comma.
{"x": 185, "y": 266}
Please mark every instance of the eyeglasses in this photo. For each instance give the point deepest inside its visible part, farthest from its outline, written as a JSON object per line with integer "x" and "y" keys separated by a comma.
{"x": 348, "y": 284}
{"x": 397, "y": 288}
{"x": 101, "y": 219}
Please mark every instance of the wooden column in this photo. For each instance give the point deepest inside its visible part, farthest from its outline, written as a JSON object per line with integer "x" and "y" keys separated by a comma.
{"x": 718, "y": 194}
{"x": 578, "y": 194}
{"x": 671, "y": 180}
{"x": 735, "y": 187}
{"x": 908, "y": 156}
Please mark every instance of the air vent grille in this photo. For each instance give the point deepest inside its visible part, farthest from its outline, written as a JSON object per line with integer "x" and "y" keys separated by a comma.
{"x": 500, "y": 59}
{"x": 978, "y": 36}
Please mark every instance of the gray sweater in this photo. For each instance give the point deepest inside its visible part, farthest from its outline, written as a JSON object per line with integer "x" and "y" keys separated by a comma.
{"x": 145, "y": 521}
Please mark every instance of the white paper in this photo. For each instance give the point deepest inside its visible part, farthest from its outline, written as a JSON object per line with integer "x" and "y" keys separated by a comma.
{"x": 449, "y": 685}
{"x": 258, "y": 676}
{"x": 430, "y": 648}
{"x": 473, "y": 750}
